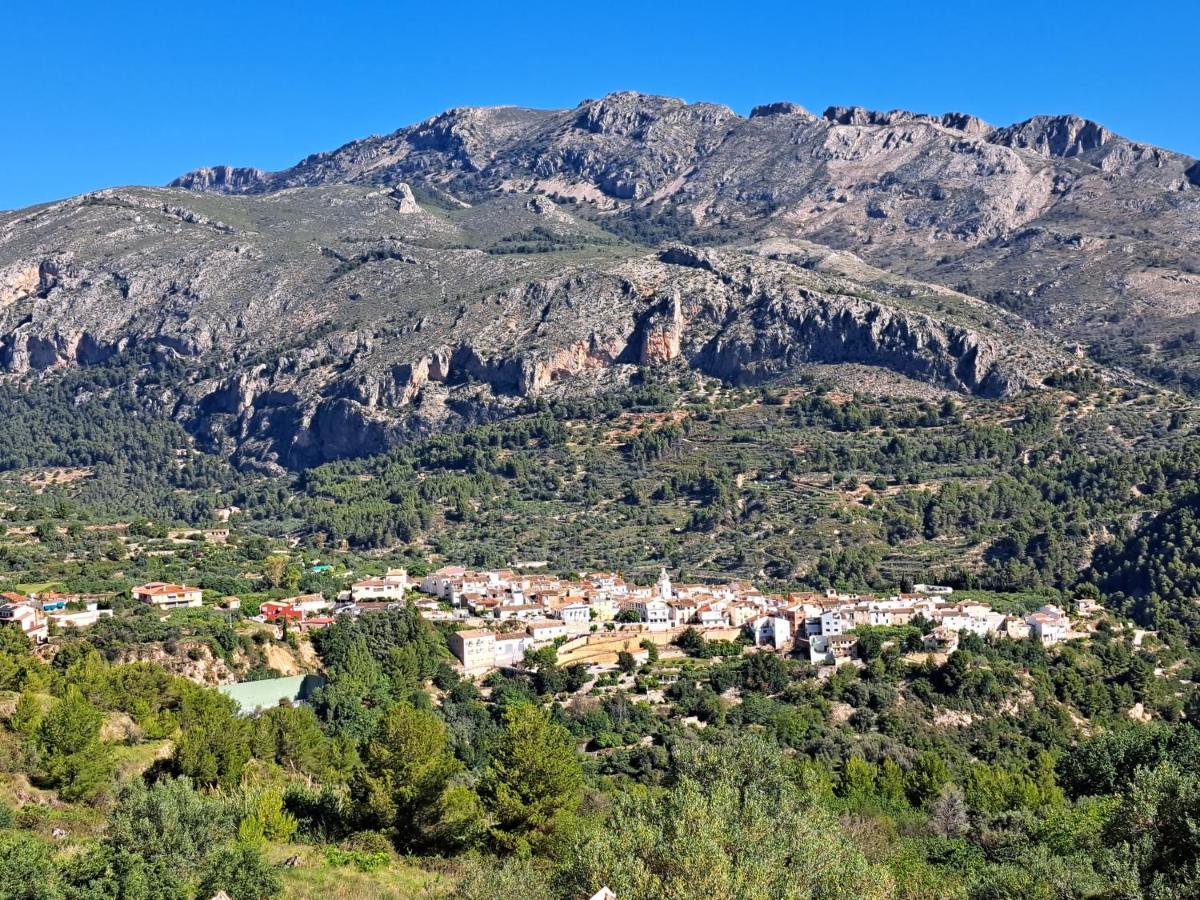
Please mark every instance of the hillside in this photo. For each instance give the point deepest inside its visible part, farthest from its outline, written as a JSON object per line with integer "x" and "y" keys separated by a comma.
{"x": 455, "y": 269}
{"x": 1086, "y": 233}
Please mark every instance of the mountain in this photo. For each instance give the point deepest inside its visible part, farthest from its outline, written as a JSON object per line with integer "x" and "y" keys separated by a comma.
{"x": 455, "y": 269}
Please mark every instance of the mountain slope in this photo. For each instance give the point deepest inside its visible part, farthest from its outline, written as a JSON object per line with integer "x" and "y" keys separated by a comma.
{"x": 451, "y": 271}
{"x": 332, "y": 321}
{"x": 1082, "y": 231}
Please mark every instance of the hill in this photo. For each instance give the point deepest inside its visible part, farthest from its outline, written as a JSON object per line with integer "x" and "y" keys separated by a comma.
{"x": 455, "y": 269}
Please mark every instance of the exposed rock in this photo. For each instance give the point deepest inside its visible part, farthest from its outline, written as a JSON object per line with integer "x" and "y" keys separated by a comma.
{"x": 220, "y": 178}
{"x": 321, "y": 311}
{"x": 780, "y": 108}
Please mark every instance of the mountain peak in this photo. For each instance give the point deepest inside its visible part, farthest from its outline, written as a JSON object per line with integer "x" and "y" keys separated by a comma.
{"x": 779, "y": 108}
{"x": 230, "y": 179}
{"x": 858, "y": 115}
{"x": 1058, "y": 136}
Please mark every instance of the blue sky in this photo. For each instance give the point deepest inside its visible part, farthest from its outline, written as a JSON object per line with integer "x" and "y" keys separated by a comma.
{"x": 96, "y": 94}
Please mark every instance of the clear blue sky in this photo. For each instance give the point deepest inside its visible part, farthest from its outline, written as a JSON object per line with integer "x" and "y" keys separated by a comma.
{"x": 96, "y": 94}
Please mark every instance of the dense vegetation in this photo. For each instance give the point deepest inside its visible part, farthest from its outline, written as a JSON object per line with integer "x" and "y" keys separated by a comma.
{"x": 1001, "y": 771}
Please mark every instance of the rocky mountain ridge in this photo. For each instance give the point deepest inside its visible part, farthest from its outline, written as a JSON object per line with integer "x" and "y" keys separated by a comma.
{"x": 457, "y": 268}
{"x": 1082, "y": 231}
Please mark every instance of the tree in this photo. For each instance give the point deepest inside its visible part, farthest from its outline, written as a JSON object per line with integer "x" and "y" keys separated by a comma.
{"x": 72, "y": 725}
{"x": 214, "y": 745}
{"x": 292, "y": 736}
{"x": 890, "y": 785}
{"x": 275, "y": 569}
{"x": 26, "y": 868}
{"x": 265, "y": 819}
{"x": 731, "y": 824}
{"x": 534, "y": 777}
{"x": 926, "y": 778}
{"x": 858, "y": 781}
{"x": 625, "y": 662}
{"x": 28, "y": 714}
{"x": 241, "y": 872}
{"x": 169, "y": 820}
{"x": 948, "y": 813}
{"x": 651, "y": 649}
{"x": 406, "y": 778}
{"x": 73, "y": 759}
{"x": 765, "y": 672}
{"x": 1156, "y": 831}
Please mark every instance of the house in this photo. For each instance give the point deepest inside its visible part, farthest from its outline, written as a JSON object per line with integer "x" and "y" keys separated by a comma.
{"x": 769, "y": 631}
{"x": 165, "y": 595}
{"x": 833, "y": 650}
{"x": 385, "y": 588}
{"x": 510, "y": 648}
{"x": 932, "y": 589}
{"x": 835, "y": 621}
{"x": 1049, "y": 625}
{"x": 604, "y": 607}
{"x": 578, "y": 613}
{"x": 51, "y": 601}
{"x": 309, "y": 603}
{"x": 546, "y": 629}
{"x": 311, "y": 623}
{"x": 82, "y": 619}
{"x": 941, "y": 640}
{"x": 439, "y": 583}
{"x": 476, "y": 650}
{"x": 1015, "y": 627}
{"x": 709, "y": 617}
{"x": 682, "y": 612}
{"x": 279, "y": 610}
{"x": 31, "y": 622}
{"x": 652, "y": 611}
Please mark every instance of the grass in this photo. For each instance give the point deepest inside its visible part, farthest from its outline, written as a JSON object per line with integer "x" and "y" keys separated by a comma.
{"x": 134, "y": 759}
{"x": 313, "y": 877}
{"x": 36, "y": 587}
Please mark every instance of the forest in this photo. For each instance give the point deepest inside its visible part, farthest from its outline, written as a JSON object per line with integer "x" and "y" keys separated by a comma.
{"x": 1006, "y": 770}
{"x": 1001, "y": 770}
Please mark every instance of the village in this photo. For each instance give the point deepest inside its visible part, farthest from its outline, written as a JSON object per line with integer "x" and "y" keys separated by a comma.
{"x": 511, "y": 613}
{"x": 591, "y": 618}
{"x": 508, "y": 613}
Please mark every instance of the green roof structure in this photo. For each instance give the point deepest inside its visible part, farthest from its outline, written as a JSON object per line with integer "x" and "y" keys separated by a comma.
{"x": 256, "y": 696}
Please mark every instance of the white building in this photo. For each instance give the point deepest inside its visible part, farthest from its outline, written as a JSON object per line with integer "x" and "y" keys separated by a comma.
{"x": 510, "y": 648}
{"x": 31, "y": 622}
{"x": 770, "y": 631}
{"x": 832, "y": 650}
{"x": 835, "y": 622}
{"x": 476, "y": 650}
{"x": 82, "y": 619}
{"x": 546, "y": 629}
{"x": 579, "y": 613}
{"x": 653, "y": 612}
{"x": 391, "y": 587}
{"x": 664, "y": 586}
{"x": 1049, "y": 625}
{"x": 164, "y": 595}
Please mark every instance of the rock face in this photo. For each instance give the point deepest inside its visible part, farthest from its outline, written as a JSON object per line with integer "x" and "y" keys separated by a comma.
{"x": 1056, "y": 217}
{"x": 220, "y": 178}
{"x": 446, "y": 272}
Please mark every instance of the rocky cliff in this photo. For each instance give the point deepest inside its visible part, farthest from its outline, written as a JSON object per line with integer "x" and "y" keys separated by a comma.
{"x": 1080, "y": 230}
{"x": 451, "y": 270}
